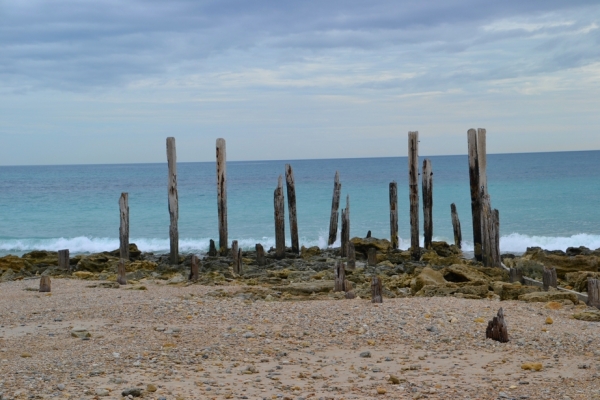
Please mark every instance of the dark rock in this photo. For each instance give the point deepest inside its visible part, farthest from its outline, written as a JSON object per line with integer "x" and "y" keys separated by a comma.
{"x": 135, "y": 392}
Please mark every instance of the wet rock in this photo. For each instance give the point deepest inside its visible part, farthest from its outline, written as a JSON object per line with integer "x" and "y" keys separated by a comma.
{"x": 363, "y": 245}
{"x": 562, "y": 262}
{"x": 548, "y": 296}
{"x": 134, "y": 392}
{"x": 591, "y": 315}
{"x": 306, "y": 288}
{"x": 427, "y": 277}
{"x": 13, "y": 263}
{"x": 97, "y": 263}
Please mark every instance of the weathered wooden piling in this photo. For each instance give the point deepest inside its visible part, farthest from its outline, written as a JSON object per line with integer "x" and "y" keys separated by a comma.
{"x": 279, "y": 220}
{"x": 45, "y": 284}
{"x": 427, "y": 203}
{"x": 121, "y": 273}
{"x": 456, "y": 226}
{"x": 368, "y": 234}
{"x": 335, "y": 205}
{"x": 549, "y": 278}
{"x": 222, "y": 194}
{"x": 482, "y": 158}
{"x": 173, "y": 201}
{"x": 394, "y": 215}
{"x": 234, "y": 255}
{"x": 345, "y": 236}
{"x": 260, "y": 255}
{"x": 64, "y": 259}
{"x": 497, "y": 329}
{"x": 496, "y": 238}
{"x": 372, "y": 257}
{"x": 348, "y": 288}
{"x": 212, "y": 249}
{"x": 490, "y": 253}
{"x": 413, "y": 185}
{"x": 124, "y": 226}
{"x": 351, "y": 257}
{"x": 475, "y": 192}
{"x": 194, "y": 268}
{"x": 515, "y": 275}
{"x": 376, "y": 290}
{"x": 291, "y": 193}
{"x": 593, "y": 292}
{"x": 339, "y": 277}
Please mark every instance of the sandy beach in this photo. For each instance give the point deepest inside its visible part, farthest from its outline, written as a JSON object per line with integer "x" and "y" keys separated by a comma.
{"x": 201, "y": 342}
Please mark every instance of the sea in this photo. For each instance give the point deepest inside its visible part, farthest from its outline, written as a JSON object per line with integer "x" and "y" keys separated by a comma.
{"x": 551, "y": 200}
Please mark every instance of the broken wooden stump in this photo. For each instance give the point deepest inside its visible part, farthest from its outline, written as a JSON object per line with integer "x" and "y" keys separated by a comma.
{"x": 351, "y": 257}
{"x": 593, "y": 292}
{"x": 279, "y": 205}
{"x": 194, "y": 268}
{"x": 515, "y": 275}
{"x": 45, "y": 284}
{"x": 456, "y": 226}
{"x": 212, "y": 249}
{"x": 368, "y": 234}
{"x": 427, "y": 188}
{"x": 260, "y": 255}
{"x": 372, "y": 257}
{"x": 236, "y": 254}
{"x": 335, "y": 205}
{"x": 339, "y": 277}
{"x": 121, "y": 278}
{"x": 549, "y": 278}
{"x": 124, "y": 226}
{"x": 345, "y": 236}
{"x": 376, "y": 290}
{"x": 496, "y": 329}
{"x": 413, "y": 186}
{"x": 349, "y": 290}
{"x": 64, "y": 260}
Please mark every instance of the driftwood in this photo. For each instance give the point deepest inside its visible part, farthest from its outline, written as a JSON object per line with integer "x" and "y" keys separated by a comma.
{"x": 593, "y": 292}
{"x": 339, "y": 274}
{"x": 63, "y": 259}
{"x": 372, "y": 257}
{"x": 260, "y": 255}
{"x": 516, "y": 275}
{"x": 212, "y": 249}
{"x": 413, "y": 186}
{"x": 376, "y": 290}
{"x": 394, "y": 215}
{"x": 335, "y": 205}
{"x": 121, "y": 278}
{"x": 173, "y": 201}
{"x": 456, "y": 226}
{"x": 194, "y": 268}
{"x": 279, "y": 205}
{"x": 427, "y": 203}
{"x": 475, "y": 191}
{"x": 351, "y": 258}
{"x": 45, "y": 284}
{"x": 345, "y": 236}
{"x": 549, "y": 278}
{"x": 222, "y": 194}
{"x": 291, "y": 192}
{"x": 497, "y": 329}
{"x": 124, "y": 226}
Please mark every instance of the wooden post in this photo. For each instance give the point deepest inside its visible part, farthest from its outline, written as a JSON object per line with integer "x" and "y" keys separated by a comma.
{"x": 413, "y": 185}
{"x": 368, "y": 234}
{"x": 348, "y": 289}
{"x": 63, "y": 259}
{"x": 394, "y": 215}
{"x": 593, "y": 292}
{"x": 351, "y": 264}
{"x": 194, "y": 269}
{"x": 497, "y": 329}
{"x": 291, "y": 192}
{"x": 45, "y": 284}
{"x": 121, "y": 278}
{"x": 173, "y": 201}
{"x": 490, "y": 256}
{"x": 335, "y": 205}
{"x": 222, "y": 194}
{"x": 427, "y": 203}
{"x": 212, "y": 249}
{"x": 515, "y": 275}
{"x": 372, "y": 257}
{"x": 260, "y": 255}
{"x": 345, "y": 228}
{"x": 456, "y": 226}
{"x": 482, "y": 158}
{"x": 496, "y": 240}
{"x": 124, "y": 226}
{"x": 549, "y": 278}
{"x": 376, "y": 290}
{"x": 279, "y": 220}
{"x": 339, "y": 277}
{"x": 475, "y": 192}
{"x": 236, "y": 254}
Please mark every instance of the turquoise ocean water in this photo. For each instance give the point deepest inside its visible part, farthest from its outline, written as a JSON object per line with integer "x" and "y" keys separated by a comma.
{"x": 550, "y": 200}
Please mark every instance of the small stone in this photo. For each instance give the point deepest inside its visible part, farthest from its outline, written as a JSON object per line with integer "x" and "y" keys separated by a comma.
{"x": 80, "y": 332}
{"x": 151, "y": 388}
{"x": 480, "y": 320}
{"x": 549, "y": 321}
{"x": 394, "y": 380}
{"x": 26, "y": 355}
{"x": 381, "y": 390}
{"x": 102, "y": 392}
{"x": 249, "y": 335}
{"x": 133, "y": 392}
{"x": 532, "y": 366}
{"x": 365, "y": 354}
{"x": 553, "y": 305}
{"x": 60, "y": 387}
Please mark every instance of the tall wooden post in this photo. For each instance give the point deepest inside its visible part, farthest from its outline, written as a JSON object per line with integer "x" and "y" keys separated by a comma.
{"x": 427, "y": 203}
{"x": 394, "y": 214}
{"x": 121, "y": 273}
{"x": 124, "y": 226}
{"x": 335, "y": 205}
{"x": 475, "y": 192}
{"x": 291, "y": 193}
{"x": 173, "y": 201}
{"x": 222, "y": 194}
{"x": 497, "y": 235}
{"x": 64, "y": 259}
{"x": 345, "y": 228}
{"x": 413, "y": 186}
{"x": 234, "y": 254}
{"x": 339, "y": 277}
{"x": 490, "y": 253}
{"x": 351, "y": 264}
{"x": 456, "y": 226}
{"x": 279, "y": 220}
{"x": 549, "y": 278}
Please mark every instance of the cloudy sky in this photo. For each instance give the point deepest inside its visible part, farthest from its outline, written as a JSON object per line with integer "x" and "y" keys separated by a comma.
{"x": 106, "y": 81}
